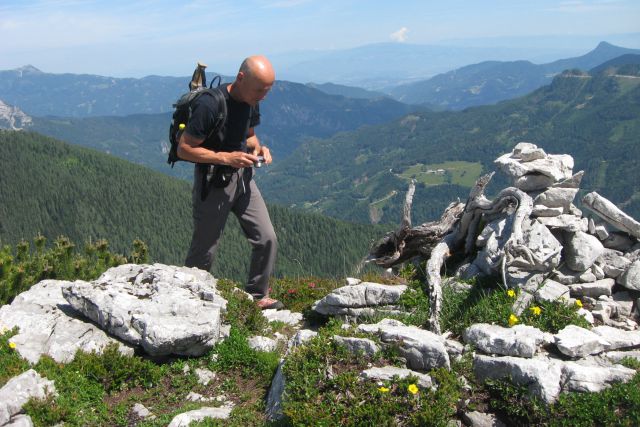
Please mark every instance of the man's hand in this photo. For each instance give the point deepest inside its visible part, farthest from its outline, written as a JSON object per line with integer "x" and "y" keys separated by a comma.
{"x": 264, "y": 152}
{"x": 238, "y": 159}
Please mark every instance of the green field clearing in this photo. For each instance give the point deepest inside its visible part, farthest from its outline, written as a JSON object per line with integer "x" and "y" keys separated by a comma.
{"x": 460, "y": 173}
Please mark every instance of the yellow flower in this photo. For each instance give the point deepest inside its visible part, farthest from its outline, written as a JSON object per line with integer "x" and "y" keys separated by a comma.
{"x": 12, "y": 345}
{"x": 579, "y": 303}
{"x": 383, "y": 389}
{"x": 511, "y": 293}
{"x": 513, "y": 320}
{"x": 413, "y": 389}
{"x": 535, "y": 310}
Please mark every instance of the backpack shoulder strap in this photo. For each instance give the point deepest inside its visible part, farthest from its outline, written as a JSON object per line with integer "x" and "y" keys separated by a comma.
{"x": 221, "y": 117}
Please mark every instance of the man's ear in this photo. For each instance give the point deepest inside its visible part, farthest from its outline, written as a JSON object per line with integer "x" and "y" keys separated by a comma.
{"x": 240, "y": 76}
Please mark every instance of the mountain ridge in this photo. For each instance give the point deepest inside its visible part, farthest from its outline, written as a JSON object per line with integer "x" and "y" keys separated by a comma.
{"x": 489, "y": 82}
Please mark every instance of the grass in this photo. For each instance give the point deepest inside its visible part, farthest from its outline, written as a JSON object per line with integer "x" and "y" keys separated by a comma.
{"x": 323, "y": 387}
{"x": 458, "y": 172}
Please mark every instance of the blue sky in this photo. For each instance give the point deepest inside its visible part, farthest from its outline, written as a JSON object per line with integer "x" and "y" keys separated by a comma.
{"x": 136, "y": 38}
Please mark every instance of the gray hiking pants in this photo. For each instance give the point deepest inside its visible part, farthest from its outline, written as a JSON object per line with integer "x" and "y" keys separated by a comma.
{"x": 243, "y": 198}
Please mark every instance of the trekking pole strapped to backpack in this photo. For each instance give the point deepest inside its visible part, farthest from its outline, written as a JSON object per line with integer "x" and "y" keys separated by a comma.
{"x": 183, "y": 108}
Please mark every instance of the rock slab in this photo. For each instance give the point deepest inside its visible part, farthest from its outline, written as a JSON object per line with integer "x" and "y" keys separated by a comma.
{"x": 19, "y": 390}
{"x": 49, "y": 325}
{"x": 164, "y": 309}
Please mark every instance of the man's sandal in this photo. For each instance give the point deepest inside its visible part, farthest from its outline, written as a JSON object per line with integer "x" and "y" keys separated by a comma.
{"x": 267, "y": 303}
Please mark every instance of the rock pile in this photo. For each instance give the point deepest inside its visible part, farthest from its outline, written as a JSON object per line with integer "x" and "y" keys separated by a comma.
{"x": 548, "y": 364}
{"x": 594, "y": 259}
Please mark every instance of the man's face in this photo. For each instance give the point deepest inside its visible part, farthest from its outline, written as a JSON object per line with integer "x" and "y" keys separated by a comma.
{"x": 255, "y": 89}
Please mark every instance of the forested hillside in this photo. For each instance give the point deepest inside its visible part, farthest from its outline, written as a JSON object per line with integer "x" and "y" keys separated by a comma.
{"x": 363, "y": 175}
{"x": 54, "y": 188}
{"x": 291, "y": 113}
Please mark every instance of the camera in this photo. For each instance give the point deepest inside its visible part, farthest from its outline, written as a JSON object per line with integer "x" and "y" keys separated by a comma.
{"x": 259, "y": 163}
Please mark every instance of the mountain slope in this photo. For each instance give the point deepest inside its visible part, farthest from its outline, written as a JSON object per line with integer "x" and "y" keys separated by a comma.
{"x": 492, "y": 81}
{"x": 54, "y": 188}
{"x": 363, "y": 175}
{"x": 291, "y": 113}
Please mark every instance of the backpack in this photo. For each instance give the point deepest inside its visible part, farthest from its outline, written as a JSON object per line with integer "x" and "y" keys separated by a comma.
{"x": 182, "y": 112}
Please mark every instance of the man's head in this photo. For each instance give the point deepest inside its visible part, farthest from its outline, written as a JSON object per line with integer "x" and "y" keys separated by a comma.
{"x": 254, "y": 79}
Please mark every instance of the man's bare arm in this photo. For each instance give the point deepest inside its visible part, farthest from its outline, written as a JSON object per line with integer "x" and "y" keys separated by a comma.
{"x": 190, "y": 148}
{"x": 253, "y": 143}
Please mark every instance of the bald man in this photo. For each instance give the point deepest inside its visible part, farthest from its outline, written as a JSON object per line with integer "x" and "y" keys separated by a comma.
{"x": 223, "y": 175}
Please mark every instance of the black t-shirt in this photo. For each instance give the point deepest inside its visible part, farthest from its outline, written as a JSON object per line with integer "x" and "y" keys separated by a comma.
{"x": 240, "y": 118}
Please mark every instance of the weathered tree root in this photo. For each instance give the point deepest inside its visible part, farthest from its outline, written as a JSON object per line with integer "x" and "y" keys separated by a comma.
{"x": 437, "y": 241}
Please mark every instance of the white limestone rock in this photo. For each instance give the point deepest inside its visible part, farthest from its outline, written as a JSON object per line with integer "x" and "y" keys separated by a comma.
{"x": 19, "y": 390}
{"x": 575, "y": 341}
{"x": 423, "y": 349}
{"x": 580, "y": 377}
{"x": 587, "y": 315}
{"x": 387, "y": 373}
{"x": 302, "y": 336}
{"x": 558, "y": 167}
{"x": 286, "y": 316}
{"x": 616, "y": 338}
{"x": 520, "y": 340}
{"x": 582, "y": 250}
{"x": 522, "y": 302}
{"x": 617, "y": 356}
{"x": 20, "y": 420}
{"x": 526, "y": 152}
{"x": 259, "y": 343}
{"x": 533, "y": 182}
{"x": 594, "y": 290}
{"x": 480, "y": 419}
{"x": 546, "y": 211}
{"x": 141, "y": 411}
{"x": 164, "y": 309}
{"x": 556, "y": 197}
{"x": 186, "y": 418}
{"x": 197, "y": 397}
{"x": 364, "y": 295}
{"x": 624, "y": 302}
{"x": 611, "y": 213}
{"x": 363, "y": 346}
{"x": 550, "y": 291}
{"x": 565, "y": 222}
{"x": 613, "y": 263}
{"x": 540, "y": 375}
{"x": 205, "y": 376}
{"x": 49, "y": 325}
{"x": 630, "y": 279}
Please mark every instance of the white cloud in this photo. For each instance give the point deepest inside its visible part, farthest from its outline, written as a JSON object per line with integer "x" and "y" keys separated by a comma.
{"x": 400, "y": 35}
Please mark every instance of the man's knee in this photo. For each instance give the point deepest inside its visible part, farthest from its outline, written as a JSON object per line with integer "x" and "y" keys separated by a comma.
{"x": 268, "y": 238}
